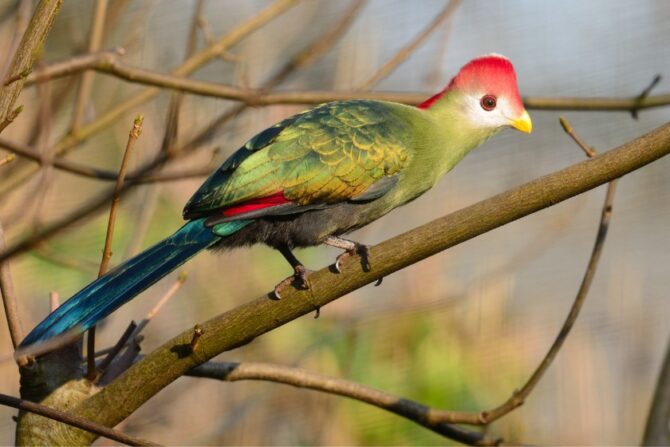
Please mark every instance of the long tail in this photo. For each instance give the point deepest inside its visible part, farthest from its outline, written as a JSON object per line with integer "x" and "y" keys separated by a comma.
{"x": 107, "y": 293}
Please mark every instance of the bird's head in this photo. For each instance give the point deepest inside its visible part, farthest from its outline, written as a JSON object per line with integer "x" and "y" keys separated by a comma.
{"x": 487, "y": 94}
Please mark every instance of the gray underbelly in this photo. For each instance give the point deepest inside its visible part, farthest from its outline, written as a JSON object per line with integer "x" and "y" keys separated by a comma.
{"x": 305, "y": 229}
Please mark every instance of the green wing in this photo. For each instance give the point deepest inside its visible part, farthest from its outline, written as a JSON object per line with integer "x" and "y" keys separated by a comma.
{"x": 332, "y": 153}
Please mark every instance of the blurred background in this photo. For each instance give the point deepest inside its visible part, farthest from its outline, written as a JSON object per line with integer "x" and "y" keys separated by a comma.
{"x": 458, "y": 331}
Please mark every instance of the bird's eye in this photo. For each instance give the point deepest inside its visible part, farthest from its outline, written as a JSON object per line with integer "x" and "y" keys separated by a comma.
{"x": 488, "y": 102}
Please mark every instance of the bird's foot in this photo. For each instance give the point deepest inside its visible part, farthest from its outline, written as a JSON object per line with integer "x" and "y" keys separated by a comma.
{"x": 357, "y": 249}
{"x": 299, "y": 280}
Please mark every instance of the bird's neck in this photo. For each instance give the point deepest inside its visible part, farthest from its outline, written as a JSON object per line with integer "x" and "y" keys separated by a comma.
{"x": 454, "y": 134}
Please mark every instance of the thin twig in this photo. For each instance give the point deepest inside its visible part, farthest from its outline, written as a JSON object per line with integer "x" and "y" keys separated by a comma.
{"x": 644, "y": 94}
{"x": 107, "y": 251}
{"x": 72, "y": 420}
{"x": 11, "y": 116}
{"x": 7, "y": 160}
{"x": 428, "y": 417}
{"x": 95, "y": 37}
{"x": 239, "y": 32}
{"x": 181, "y": 279}
{"x": 262, "y": 97}
{"x": 405, "y": 52}
{"x": 567, "y": 127}
{"x": 519, "y": 396}
{"x": 54, "y": 301}
{"x": 132, "y": 138}
{"x": 28, "y": 51}
{"x": 9, "y": 299}
{"x": 132, "y": 338}
{"x": 120, "y": 344}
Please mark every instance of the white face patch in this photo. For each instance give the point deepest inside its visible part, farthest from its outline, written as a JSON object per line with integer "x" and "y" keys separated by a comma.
{"x": 500, "y": 116}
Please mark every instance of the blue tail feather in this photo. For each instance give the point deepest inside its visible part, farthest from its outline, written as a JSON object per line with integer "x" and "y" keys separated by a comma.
{"x": 120, "y": 285}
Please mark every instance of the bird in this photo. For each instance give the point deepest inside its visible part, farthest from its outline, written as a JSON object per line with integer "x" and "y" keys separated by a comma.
{"x": 311, "y": 179}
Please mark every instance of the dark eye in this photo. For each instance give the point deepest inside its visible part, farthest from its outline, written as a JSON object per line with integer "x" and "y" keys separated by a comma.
{"x": 488, "y": 102}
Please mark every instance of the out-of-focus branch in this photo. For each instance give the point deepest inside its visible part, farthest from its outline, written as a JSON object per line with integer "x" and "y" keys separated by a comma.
{"x": 656, "y": 431}
{"x": 239, "y": 32}
{"x": 109, "y": 63}
{"x": 73, "y": 420}
{"x": 252, "y": 319}
{"x": 10, "y": 117}
{"x": 428, "y": 417}
{"x": 7, "y": 160}
{"x": 406, "y": 51}
{"x": 9, "y": 299}
{"x": 27, "y": 52}
{"x": 95, "y": 36}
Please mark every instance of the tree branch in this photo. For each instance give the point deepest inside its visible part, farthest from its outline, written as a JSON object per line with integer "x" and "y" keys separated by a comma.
{"x": 9, "y": 300}
{"x": 72, "y": 420}
{"x": 133, "y": 135}
{"x": 431, "y": 418}
{"x": 28, "y": 51}
{"x": 108, "y": 63}
{"x": 242, "y": 324}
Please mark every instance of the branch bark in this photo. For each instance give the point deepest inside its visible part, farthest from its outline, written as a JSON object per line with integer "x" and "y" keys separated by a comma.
{"x": 27, "y": 52}
{"x": 244, "y": 323}
{"x": 109, "y": 63}
{"x": 431, "y": 418}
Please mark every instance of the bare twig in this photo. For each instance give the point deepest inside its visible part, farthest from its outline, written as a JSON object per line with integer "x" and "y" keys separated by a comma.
{"x": 7, "y": 160}
{"x": 644, "y": 94}
{"x": 9, "y": 299}
{"x": 11, "y": 116}
{"x": 120, "y": 344}
{"x": 133, "y": 135}
{"x": 132, "y": 138}
{"x": 27, "y": 52}
{"x": 72, "y": 420}
{"x": 54, "y": 301}
{"x": 519, "y": 396}
{"x": 262, "y": 97}
{"x": 181, "y": 279}
{"x": 567, "y": 127}
{"x": 95, "y": 37}
{"x": 236, "y": 34}
{"x": 131, "y": 338}
{"x": 406, "y": 51}
{"x": 428, "y": 417}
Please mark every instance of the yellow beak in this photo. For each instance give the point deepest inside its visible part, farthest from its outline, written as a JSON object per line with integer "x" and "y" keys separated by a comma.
{"x": 523, "y": 123}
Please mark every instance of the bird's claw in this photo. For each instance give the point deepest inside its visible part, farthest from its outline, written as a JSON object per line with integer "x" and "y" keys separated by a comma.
{"x": 299, "y": 279}
{"x": 361, "y": 250}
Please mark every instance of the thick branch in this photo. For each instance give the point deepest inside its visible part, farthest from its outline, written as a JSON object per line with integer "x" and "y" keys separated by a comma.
{"x": 242, "y": 324}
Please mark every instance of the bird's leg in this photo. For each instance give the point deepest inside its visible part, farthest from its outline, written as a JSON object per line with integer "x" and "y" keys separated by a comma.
{"x": 350, "y": 248}
{"x": 300, "y": 272}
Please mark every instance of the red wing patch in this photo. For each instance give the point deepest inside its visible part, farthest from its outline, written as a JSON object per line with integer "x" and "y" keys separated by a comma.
{"x": 256, "y": 204}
